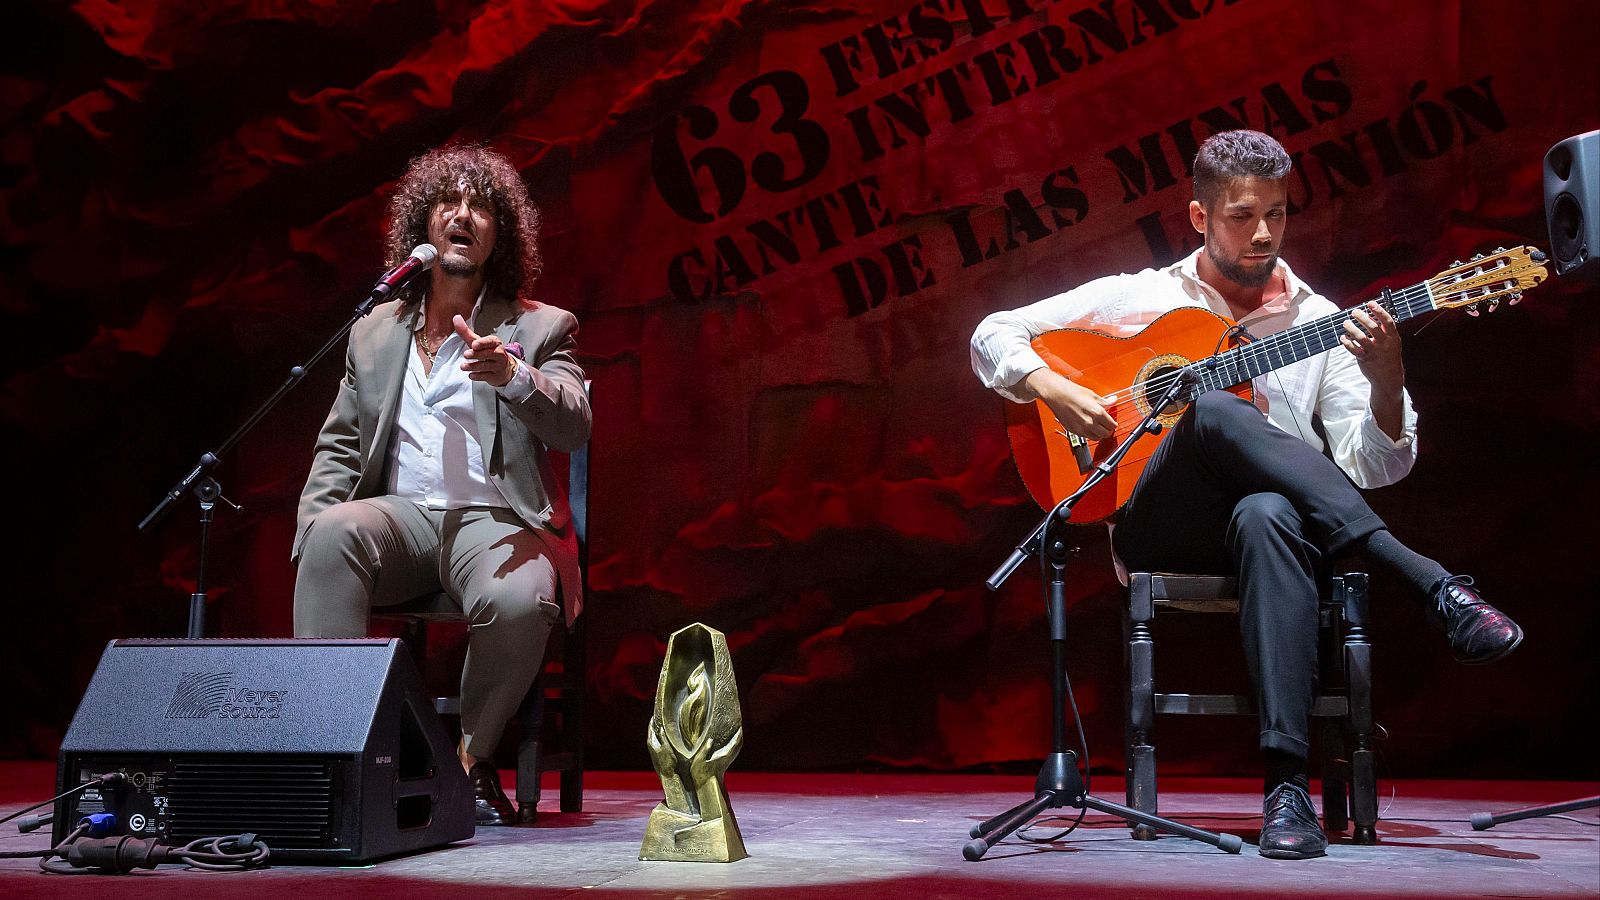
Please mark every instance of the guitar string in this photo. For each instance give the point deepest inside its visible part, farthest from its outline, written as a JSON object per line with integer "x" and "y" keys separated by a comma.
{"x": 1329, "y": 326}
{"x": 1242, "y": 358}
{"x": 1325, "y": 333}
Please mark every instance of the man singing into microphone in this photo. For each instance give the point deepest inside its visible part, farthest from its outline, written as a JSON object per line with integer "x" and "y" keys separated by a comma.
{"x": 431, "y": 472}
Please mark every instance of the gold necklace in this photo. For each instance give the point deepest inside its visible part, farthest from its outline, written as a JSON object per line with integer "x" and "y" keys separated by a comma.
{"x": 422, "y": 341}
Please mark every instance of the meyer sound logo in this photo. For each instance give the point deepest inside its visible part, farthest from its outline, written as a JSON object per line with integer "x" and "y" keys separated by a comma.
{"x": 199, "y": 694}
{"x": 203, "y": 695}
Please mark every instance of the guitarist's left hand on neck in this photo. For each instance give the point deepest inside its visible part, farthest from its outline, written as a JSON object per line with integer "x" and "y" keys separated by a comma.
{"x": 1376, "y": 347}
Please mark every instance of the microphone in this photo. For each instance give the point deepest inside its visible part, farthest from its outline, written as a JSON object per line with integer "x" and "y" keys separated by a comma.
{"x": 422, "y": 256}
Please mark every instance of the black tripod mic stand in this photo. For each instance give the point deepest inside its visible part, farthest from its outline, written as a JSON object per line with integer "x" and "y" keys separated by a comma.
{"x": 205, "y": 487}
{"x": 1483, "y": 821}
{"x": 1059, "y": 782}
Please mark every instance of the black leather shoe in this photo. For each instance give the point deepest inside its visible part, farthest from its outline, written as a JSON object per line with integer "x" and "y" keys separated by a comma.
{"x": 1478, "y": 632}
{"x": 1289, "y": 828}
{"x": 493, "y": 806}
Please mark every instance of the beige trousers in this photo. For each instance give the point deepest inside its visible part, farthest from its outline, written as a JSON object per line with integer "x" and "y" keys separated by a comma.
{"x": 385, "y": 550}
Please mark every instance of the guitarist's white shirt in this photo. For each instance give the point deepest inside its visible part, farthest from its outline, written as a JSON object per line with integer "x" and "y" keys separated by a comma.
{"x": 1329, "y": 386}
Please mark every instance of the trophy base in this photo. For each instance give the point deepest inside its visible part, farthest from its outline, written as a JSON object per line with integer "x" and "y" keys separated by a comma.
{"x": 674, "y": 837}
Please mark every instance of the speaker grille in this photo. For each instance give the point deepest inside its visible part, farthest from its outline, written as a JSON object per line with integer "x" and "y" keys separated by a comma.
{"x": 288, "y": 801}
{"x": 1568, "y": 242}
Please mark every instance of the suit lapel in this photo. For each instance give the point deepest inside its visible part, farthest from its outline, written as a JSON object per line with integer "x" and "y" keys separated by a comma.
{"x": 390, "y": 344}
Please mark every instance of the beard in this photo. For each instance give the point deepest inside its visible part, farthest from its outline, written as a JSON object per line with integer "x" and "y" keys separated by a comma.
{"x": 457, "y": 267}
{"x": 1238, "y": 274}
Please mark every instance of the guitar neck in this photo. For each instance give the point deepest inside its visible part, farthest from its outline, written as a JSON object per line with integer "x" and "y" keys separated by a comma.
{"x": 1304, "y": 341}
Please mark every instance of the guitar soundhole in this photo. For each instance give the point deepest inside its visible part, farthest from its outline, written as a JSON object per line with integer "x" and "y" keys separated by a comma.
{"x": 1154, "y": 386}
{"x": 1152, "y": 382}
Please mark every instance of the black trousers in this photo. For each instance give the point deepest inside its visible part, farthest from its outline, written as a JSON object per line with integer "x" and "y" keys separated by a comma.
{"x": 1228, "y": 493}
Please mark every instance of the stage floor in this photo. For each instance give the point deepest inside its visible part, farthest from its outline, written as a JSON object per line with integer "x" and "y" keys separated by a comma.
{"x": 900, "y": 836}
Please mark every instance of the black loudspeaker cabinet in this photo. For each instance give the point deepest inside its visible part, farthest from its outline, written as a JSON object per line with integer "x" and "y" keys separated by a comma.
{"x": 1572, "y": 204}
{"x": 326, "y": 749}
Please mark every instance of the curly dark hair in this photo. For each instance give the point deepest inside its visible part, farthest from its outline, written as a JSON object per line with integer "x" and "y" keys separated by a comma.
{"x": 1236, "y": 154}
{"x": 515, "y": 262}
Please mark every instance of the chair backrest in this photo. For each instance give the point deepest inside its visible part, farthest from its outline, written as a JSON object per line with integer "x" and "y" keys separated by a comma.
{"x": 578, "y": 487}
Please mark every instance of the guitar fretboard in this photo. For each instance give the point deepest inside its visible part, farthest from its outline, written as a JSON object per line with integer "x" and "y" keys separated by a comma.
{"x": 1291, "y": 345}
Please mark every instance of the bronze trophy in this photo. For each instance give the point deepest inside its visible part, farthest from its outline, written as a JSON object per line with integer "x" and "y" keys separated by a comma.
{"x": 694, "y": 735}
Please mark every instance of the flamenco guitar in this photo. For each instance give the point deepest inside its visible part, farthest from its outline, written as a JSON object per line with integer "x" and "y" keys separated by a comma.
{"x": 1138, "y": 369}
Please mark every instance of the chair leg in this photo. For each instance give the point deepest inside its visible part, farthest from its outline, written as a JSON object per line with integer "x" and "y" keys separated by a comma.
{"x": 528, "y": 768}
{"x": 572, "y": 790}
{"x": 571, "y": 746}
{"x": 1364, "y": 797}
{"x": 1333, "y": 753}
{"x": 414, "y": 633}
{"x": 576, "y": 666}
{"x": 1141, "y": 754}
{"x": 1335, "y": 777}
{"x": 1363, "y": 778}
{"x": 1358, "y": 668}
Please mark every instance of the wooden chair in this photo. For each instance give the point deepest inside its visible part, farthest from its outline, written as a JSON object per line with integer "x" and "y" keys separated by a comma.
{"x": 1343, "y": 701}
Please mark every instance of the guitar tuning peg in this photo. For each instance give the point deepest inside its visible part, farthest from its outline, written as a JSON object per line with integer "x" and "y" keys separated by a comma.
{"x": 1515, "y": 298}
{"x": 1473, "y": 309}
{"x": 1456, "y": 263}
{"x": 1494, "y": 304}
{"x": 1499, "y": 249}
{"x": 1478, "y": 257}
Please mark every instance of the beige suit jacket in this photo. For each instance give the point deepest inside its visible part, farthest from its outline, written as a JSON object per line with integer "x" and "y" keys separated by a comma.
{"x": 353, "y": 448}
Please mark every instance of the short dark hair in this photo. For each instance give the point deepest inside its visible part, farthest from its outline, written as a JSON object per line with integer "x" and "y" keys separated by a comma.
{"x": 1236, "y": 154}
{"x": 515, "y": 262}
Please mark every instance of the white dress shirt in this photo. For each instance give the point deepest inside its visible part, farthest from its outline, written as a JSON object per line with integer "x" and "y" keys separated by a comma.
{"x": 1329, "y": 385}
{"x": 436, "y": 457}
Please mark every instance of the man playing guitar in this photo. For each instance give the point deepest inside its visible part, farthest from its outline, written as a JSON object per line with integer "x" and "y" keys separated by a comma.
{"x": 1242, "y": 488}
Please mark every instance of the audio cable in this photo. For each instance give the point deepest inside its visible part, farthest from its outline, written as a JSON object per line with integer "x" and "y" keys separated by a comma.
{"x": 108, "y": 780}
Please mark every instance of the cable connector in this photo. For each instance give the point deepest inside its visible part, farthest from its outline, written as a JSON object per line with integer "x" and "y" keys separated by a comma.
{"x": 100, "y": 824}
{"x": 118, "y": 855}
{"x": 107, "y": 780}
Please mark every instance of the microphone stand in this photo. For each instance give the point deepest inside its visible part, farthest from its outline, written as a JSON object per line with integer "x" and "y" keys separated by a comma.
{"x": 1482, "y": 821}
{"x": 1059, "y": 782}
{"x": 205, "y": 487}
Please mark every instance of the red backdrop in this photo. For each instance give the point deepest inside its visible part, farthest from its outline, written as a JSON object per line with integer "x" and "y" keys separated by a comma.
{"x": 778, "y": 223}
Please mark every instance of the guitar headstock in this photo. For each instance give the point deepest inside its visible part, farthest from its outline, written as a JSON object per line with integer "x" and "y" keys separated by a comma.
{"x": 1485, "y": 280}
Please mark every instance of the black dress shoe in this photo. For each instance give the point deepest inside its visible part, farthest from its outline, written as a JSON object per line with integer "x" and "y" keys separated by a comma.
{"x": 1478, "y": 632}
{"x": 492, "y": 805}
{"x": 1289, "y": 828}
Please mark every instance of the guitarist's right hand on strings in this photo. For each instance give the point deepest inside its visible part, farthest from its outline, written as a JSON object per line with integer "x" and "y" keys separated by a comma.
{"x": 1078, "y": 409}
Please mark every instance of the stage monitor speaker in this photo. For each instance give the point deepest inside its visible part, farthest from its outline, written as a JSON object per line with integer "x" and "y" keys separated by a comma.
{"x": 326, "y": 749}
{"x": 1572, "y": 204}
